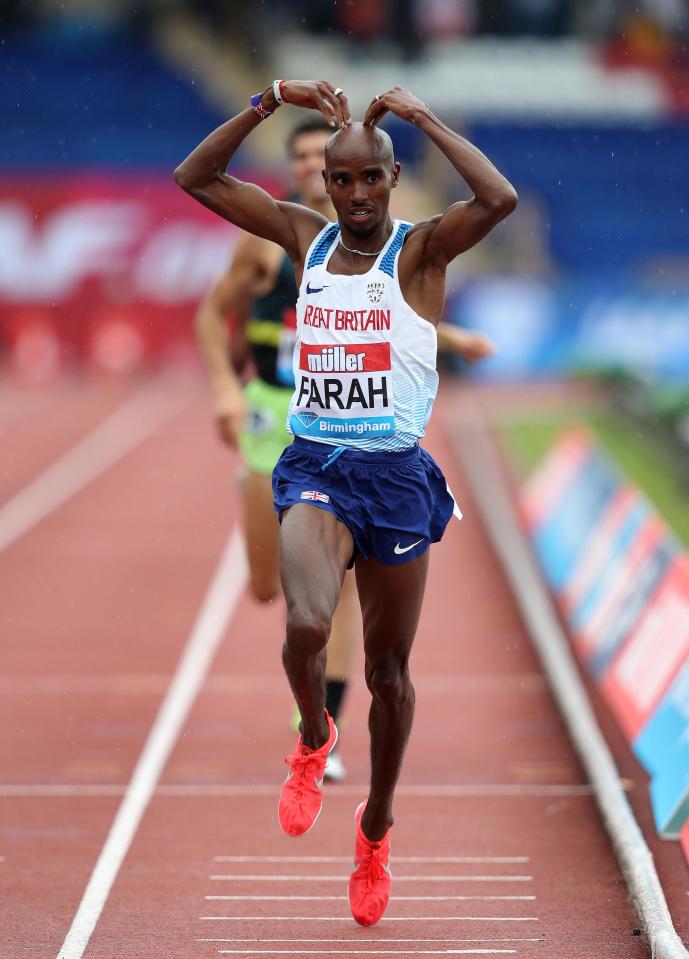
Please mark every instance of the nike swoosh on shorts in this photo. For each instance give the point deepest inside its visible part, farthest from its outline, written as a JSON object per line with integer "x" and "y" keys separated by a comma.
{"x": 400, "y": 549}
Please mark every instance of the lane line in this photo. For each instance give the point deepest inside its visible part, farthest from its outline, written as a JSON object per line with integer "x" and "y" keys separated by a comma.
{"x": 217, "y": 608}
{"x": 118, "y": 434}
{"x": 229, "y": 791}
{"x": 369, "y": 952}
{"x": 384, "y": 919}
{"x": 238, "y": 877}
{"x": 501, "y": 860}
{"x": 392, "y": 899}
{"x": 385, "y": 939}
{"x": 238, "y": 683}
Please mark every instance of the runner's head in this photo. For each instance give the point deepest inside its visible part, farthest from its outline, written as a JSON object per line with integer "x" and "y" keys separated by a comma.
{"x": 360, "y": 171}
{"x": 306, "y": 149}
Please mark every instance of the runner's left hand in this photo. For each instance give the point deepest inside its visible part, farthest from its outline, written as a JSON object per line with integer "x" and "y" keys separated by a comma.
{"x": 398, "y": 101}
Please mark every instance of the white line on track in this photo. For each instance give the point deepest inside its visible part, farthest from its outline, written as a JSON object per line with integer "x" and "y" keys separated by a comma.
{"x": 384, "y": 939}
{"x": 218, "y": 606}
{"x": 393, "y": 898}
{"x": 369, "y": 952}
{"x": 112, "y": 439}
{"x": 501, "y": 860}
{"x": 234, "y": 683}
{"x": 238, "y": 877}
{"x": 230, "y": 791}
{"x": 384, "y": 919}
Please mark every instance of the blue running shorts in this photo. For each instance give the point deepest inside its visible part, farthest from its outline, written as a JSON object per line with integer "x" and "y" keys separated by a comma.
{"x": 394, "y": 504}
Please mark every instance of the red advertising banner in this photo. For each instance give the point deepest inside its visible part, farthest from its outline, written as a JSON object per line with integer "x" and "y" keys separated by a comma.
{"x": 653, "y": 653}
{"x": 103, "y": 270}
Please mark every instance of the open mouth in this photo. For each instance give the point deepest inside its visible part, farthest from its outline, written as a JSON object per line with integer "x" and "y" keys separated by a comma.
{"x": 360, "y": 215}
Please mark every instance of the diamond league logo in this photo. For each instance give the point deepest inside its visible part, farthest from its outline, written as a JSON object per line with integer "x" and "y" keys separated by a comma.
{"x": 374, "y": 291}
{"x": 306, "y": 418}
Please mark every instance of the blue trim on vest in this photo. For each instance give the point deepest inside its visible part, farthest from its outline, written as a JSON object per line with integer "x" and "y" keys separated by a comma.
{"x": 387, "y": 264}
{"x": 320, "y": 251}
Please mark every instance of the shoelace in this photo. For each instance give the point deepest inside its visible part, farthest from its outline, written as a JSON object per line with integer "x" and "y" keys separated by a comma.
{"x": 302, "y": 764}
{"x": 373, "y": 864}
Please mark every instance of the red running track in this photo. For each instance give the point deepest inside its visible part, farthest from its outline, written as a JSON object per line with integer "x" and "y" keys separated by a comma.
{"x": 498, "y": 848}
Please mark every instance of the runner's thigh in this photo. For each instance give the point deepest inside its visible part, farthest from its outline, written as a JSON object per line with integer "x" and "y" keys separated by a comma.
{"x": 391, "y": 598}
{"x": 315, "y": 550}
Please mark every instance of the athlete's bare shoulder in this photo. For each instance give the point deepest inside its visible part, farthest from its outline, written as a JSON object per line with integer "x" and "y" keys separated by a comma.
{"x": 414, "y": 247}
{"x": 420, "y": 231}
{"x": 306, "y": 224}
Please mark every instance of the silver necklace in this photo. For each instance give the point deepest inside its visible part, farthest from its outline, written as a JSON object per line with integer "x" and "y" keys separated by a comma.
{"x": 361, "y": 252}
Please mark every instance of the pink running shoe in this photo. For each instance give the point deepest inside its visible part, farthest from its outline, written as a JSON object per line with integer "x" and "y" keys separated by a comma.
{"x": 301, "y": 796}
{"x": 371, "y": 881}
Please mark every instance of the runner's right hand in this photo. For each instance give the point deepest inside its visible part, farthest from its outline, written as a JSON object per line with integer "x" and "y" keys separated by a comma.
{"x": 318, "y": 95}
{"x": 230, "y": 416}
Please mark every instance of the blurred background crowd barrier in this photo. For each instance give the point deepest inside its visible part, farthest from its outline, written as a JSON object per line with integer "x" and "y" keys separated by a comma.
{"x": 584, "y": 104}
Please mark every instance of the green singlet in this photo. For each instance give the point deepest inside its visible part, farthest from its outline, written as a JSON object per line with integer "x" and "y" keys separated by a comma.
{"x": 271, "y": 333}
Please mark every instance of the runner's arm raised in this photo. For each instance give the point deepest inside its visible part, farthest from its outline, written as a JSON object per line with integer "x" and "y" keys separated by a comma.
{"x": 466, "y": 222}
{"x": 203, "y": 173}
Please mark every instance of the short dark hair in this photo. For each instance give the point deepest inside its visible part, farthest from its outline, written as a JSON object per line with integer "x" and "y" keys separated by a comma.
{"x": 315, "y": 124}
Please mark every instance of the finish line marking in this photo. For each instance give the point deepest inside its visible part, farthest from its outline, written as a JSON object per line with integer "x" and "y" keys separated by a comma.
{"x": 392, "y": 899}
{"x": 502, "y": 860}
{"x": 384, "y": 939}
{"x": 384, "y": 919}
{"x": 369, "y": 952}
{"x": 343, "y": 878}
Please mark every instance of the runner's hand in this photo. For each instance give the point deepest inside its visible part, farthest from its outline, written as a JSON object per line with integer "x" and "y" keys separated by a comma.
{"x": 230, "y": 416}
{"x": 476, "y": 346}
{"x": 318, "y": 95}
{"x": 398, "y": 101}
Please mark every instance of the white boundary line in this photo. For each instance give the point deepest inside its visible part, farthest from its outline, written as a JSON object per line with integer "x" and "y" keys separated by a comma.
{"x": 238, "y": 877}
{"x": 484, "y": 470}
{"x": 392, "y": 899}
{"x": 385, "y": 939}
{"x": 218, "y": 606}
{"x": 501, "y": 860}
{"x": 384, "y": 919}
{"x": 113, "y": 438}
{"x": 369, "y": 952}
{"x": 229, "y": 790}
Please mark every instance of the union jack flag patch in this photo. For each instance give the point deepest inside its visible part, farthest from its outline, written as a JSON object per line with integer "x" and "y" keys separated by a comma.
{"x": 315, "y": 495}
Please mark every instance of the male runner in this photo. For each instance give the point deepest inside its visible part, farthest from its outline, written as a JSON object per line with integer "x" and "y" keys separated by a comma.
{"x": 259, "y": 289}
{"x": 371, "y": 294}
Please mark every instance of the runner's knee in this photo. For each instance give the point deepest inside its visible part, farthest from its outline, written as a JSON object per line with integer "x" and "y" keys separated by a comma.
{"x": 388, "y": 677}
{"x": 307, "y": 631}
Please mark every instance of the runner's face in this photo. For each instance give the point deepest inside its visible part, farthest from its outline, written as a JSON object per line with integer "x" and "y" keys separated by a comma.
{"x": 307, "y": 161}
{"x": 359, "y": 178}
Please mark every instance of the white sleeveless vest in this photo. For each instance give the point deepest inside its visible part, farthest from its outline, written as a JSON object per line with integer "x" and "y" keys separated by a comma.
{"x": 364, "y": 361}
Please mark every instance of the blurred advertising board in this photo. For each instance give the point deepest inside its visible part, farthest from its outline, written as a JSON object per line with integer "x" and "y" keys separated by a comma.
{"x": 103, "y": 269}
{"x": 621, "y": 581}
{"x": 550, "y": 328}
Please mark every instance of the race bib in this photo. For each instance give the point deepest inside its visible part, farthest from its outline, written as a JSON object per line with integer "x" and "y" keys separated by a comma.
{"x": 344, "y": 391}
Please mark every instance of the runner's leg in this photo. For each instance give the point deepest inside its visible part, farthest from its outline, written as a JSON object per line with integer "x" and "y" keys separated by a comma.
{"x": 262, "y": 531}
{"x": 391, "y": 598}
{"x": 346, "y": 632}
{"x": 315, "y": 549}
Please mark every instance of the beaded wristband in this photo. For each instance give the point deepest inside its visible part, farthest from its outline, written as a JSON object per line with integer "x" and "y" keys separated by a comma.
{"x": 259, "y": 108}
